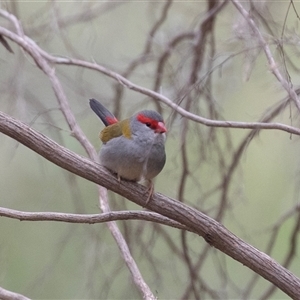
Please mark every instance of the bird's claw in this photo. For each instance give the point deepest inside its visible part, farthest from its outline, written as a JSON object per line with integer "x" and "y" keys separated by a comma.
{"x": 149, "y": 190}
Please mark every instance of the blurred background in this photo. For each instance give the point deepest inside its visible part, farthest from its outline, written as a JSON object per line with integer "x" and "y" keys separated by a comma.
{"x": 204, "y": 57}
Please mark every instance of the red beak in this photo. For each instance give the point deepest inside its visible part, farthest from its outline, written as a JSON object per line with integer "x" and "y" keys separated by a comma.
{"x": 161, "y": 128}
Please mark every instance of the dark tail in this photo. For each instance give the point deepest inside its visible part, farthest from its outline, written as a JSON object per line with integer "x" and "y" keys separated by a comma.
{"x": 103, "y": 113}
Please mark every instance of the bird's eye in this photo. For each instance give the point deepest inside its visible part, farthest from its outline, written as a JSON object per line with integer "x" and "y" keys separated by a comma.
{"x": 148, "y": 124}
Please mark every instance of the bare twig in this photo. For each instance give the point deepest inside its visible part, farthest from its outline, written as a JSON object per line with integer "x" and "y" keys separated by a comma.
{"x": 89, "y": 218}
{"x": 8, "y": 295}
{"x": 127, "y": 83}
{"x": 5, "y": 44}
{"x": 44, "y": 64}
{"x": 286, "y": 84}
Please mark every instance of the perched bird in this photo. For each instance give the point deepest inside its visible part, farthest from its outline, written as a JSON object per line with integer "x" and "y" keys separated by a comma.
{"x": 134, "y": 148}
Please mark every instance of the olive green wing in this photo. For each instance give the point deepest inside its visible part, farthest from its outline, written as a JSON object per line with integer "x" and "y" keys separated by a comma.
{"x": 116, "y": 130}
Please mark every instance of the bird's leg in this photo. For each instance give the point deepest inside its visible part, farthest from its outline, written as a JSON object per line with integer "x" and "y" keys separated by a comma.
{"x": 149, "y": 190}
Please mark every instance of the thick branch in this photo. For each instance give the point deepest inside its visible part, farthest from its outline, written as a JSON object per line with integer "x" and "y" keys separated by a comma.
{"x": 213, "y": 232}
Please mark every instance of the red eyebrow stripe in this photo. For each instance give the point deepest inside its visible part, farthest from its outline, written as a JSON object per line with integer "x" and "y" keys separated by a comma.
{"x": 158, "y": 127}
{"x": 144, "y": 119}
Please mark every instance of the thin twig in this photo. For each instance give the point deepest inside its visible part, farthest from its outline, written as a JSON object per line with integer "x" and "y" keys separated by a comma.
{"x": 127, "y": 83}
{"x": 90, "y": 218}
{"x": 286, "y": 84}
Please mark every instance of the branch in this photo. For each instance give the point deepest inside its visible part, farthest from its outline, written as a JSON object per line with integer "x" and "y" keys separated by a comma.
{"x": 90, "y": 218}
{"x": 35, "y": 52}
{"x": 159, "y": 97}
{"x": 287, "y": 85}
{"x": 8, "y": 295}
{"x": 213, "y": 232}
{"x": 26, "y": 43}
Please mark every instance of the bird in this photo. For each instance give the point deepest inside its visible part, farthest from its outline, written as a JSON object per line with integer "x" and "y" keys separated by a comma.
{"x": 133, "y": 148}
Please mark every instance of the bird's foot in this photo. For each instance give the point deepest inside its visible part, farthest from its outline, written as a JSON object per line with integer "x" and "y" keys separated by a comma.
{"x": 150, "y": 191}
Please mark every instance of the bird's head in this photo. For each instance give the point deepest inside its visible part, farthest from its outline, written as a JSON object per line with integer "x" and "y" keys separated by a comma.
{"x": 146, "y": 124}
{"x": 148, "y": 121}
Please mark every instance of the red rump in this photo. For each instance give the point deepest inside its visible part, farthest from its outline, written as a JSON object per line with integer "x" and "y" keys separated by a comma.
{"x": 111, "y": 120}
